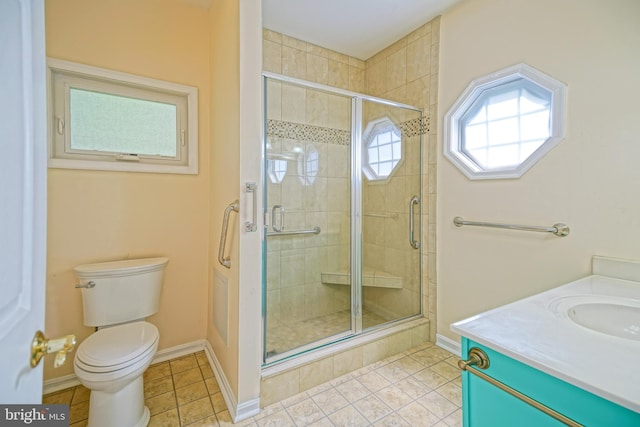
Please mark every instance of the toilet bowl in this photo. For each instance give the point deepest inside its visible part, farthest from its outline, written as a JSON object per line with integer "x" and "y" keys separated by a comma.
{"x": 117, "y": 296}
{"x": 110, "y": 363}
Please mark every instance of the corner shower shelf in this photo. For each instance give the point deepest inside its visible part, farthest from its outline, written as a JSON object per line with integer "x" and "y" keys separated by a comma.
{"x": 373, "y": 279}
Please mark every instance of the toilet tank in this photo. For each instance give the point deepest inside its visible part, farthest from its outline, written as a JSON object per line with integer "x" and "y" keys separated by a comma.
{"x": 124, "y": 290}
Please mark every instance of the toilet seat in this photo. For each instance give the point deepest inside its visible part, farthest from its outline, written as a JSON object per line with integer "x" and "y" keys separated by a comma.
{"x": 117, "y": 348}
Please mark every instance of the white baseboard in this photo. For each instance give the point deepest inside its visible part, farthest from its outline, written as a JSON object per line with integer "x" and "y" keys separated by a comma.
{"x": 179, "y": 351}
{"x": 247, "y": 409}
{"x": 448, "y": 344}
{"x": 60, "y": 383}
{"x": 238, "y": 411}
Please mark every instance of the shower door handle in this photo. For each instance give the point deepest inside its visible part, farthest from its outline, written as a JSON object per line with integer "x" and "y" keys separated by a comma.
{"x": 251, "y": 226}
{"x": 280, "y": 226}
{"x": 415, "y": 244}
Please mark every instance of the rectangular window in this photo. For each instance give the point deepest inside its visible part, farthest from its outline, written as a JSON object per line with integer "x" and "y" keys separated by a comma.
{"x": 107, "y": 120}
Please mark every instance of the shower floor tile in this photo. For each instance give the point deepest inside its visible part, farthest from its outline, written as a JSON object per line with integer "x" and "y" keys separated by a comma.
{"x": 415, "y": 388}
{"x": 285, "y": 337}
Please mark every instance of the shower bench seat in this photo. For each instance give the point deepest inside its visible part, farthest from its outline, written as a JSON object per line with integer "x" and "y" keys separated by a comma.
{"x": 370, "y": 278}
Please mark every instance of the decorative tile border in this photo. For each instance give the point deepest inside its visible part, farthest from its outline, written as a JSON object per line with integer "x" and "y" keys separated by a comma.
{"x": 304, "y": 132}
{"x": 320, "y": 134}
{"x": 419, "y": 126}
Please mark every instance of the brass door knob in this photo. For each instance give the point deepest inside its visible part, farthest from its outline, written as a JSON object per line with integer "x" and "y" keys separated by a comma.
{"x": 41, "y": 346}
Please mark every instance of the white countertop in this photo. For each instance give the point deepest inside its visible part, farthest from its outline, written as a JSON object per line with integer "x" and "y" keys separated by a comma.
{"x": 531, "y": 332}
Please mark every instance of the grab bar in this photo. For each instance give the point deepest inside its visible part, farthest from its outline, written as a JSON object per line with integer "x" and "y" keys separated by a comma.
{"x": 314, "y": 230}
{"x": 412, "y": 241}
{"x": 559, "y": 229}
{"x": 226, "y": 261}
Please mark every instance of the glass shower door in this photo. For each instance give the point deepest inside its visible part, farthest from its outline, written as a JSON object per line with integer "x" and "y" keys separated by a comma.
{"x": 391, "y": 210}
{"x": 307, "y": 245}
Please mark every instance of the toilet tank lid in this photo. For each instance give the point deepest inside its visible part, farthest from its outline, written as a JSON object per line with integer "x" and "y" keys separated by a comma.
{"x": 124, "y": 267}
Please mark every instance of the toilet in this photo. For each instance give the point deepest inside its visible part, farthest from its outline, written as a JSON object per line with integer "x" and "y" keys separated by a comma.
{"x": 116, "y": 298}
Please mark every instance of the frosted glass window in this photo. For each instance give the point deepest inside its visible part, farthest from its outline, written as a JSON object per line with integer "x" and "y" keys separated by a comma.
{"x": 383, "y": 150}
{"x": 504, "y": 123}
{"x": 119, "y": 124}
{"x": 107, "y": 120}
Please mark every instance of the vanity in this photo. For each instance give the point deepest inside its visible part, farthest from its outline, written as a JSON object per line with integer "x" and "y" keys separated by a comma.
{"x": 567, "y": 356}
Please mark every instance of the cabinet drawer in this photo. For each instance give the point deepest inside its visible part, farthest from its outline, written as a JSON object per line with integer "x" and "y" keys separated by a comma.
{"x": 487, "y": 405}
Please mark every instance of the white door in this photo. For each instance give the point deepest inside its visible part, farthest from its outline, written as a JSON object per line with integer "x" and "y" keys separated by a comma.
{"x": 22, "y": 196}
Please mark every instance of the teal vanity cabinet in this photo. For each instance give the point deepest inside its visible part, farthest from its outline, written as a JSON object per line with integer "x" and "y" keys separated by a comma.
{"x": 487, "y": 405}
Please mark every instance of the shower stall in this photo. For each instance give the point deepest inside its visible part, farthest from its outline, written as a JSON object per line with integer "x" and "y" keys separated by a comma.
{"x": 342, "y": 206}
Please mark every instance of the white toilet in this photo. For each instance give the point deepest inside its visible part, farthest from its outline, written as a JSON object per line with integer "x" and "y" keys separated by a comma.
{"x": 116, "y": 298}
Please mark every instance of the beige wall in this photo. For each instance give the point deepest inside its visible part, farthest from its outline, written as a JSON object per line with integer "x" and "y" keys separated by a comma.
{"x": 99, "y": 216}
{"x": 225, "y": 177}
{"x": 590, "y": 180}
{"x": 236, "y": 129}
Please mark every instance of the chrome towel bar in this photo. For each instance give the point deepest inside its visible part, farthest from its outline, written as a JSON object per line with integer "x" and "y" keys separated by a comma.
{"x": 314, "y": 230}
{"x": 559, "y": 229}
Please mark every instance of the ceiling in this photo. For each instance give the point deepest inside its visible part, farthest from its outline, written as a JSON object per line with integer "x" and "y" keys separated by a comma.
{"x": 358, "y": 28}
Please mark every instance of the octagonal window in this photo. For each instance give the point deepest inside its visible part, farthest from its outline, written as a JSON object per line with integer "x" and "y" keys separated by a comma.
{"x": 382, "y": 144}
{"x": 504, "y": 123}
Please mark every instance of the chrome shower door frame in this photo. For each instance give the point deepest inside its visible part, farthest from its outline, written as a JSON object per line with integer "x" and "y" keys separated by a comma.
{"x": 356, "y": 215}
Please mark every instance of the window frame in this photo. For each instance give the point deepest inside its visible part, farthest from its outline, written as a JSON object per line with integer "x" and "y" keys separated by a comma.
{"x": 453, "y": 132}
{"x": 62, "y": 76}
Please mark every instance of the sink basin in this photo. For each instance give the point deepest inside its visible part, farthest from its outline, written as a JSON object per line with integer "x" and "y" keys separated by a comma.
{"x": 613, "y": 319}
{"x": 619, "y": 317}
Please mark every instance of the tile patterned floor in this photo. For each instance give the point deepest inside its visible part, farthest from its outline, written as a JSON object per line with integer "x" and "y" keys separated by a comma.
{"x": 179, "y": 392}
{"x": 419, "y": 387}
